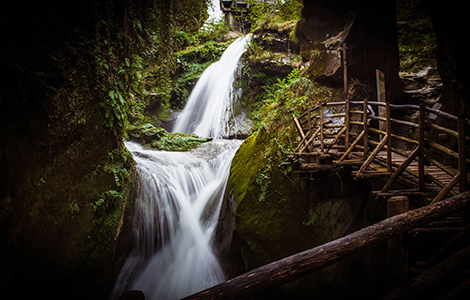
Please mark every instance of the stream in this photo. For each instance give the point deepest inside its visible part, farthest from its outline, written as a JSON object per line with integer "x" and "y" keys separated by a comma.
{"x": 178, "y": 194}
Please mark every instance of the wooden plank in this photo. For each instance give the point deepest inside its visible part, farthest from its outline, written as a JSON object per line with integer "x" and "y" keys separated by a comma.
{"x": 293, "y": 267}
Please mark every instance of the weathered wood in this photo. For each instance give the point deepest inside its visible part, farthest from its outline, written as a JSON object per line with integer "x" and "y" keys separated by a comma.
{"x": 443, "y": 129}
{"x": 442, "y": 148}
{"x": 300, "y": 264}
{"x": 462, "y": 155}
{"x": 322, "y": 145}
{"x": 351, "y": 147}
{"x": 314, "y": 135}
{"x": 389, "y": 140}
{"x": 315, "y": 167}
{"x": 447, "y": 189}
{"x": 407, "y": 123}
{"x": 373, "y": 154}
{"x": 420, "y": 284}
{"x": 395, "y": 136}
{"x": 297, "y": 124}
{"x": 366, "y": 129}
{"x": 340, "y": 133}
{"x": 400, "y": 170}
{"x": 422, "y": 184}
{"x": 397, "y": 247}
{"x": 440, "y": 166}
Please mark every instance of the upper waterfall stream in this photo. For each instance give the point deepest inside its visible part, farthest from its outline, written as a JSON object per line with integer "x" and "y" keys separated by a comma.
{"x": 178, "y": 194}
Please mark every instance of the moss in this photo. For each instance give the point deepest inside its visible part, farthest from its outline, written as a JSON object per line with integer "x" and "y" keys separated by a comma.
{"x": 416, "y": 38}
{"x": 161, "y": 139}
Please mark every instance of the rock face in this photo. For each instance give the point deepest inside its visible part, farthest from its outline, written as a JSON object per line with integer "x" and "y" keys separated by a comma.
{"x": 452, "y": 56}
{"x": 259, "y": 225}
{"x": 368, "y": 29}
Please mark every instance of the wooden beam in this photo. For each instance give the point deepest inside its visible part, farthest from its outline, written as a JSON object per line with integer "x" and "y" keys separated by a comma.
{"x": 300, "y": 264}
{"x": 447, "y": 188}
{"x": 415, "y": 288}
{"x": 422, "y": 184}
{"x": 397, "y": 247}
{"x": 372, "y": 155}
{"x": 462, "y": 155}
{"x": 400, "y": 170}
{"x": 351, "y": 147}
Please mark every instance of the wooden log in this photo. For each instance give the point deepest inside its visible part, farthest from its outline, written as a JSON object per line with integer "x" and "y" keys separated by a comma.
{"x": 340, "y": 133}
{"x": 397, "y": 247}
{"x": 365, "y": 130}
{"x": 351, "y": 147}
{"x": 415, "y": 288}
{"x": 440, "y": 166}
{"x": 310, "y": 140}
{"x": 400, "y": 170}
{"x": 389, "y": 140}
{"x": 422, "y": 184}
{"x": 300, "y": 264}
{"x": 322, "y": 145}
{"x": 316, "y": 167}
{"x": 462, "y": 155}
{"x": 296, "y": 121}
{"x": 373, "y": 154}
{"x": 447, "y": 188}
{"x": 443, "y": 129}
{"x": 442, "y": 148}
{"x": 395, "y": 136}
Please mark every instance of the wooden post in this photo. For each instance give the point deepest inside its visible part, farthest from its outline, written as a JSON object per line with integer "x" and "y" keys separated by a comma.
{"x": 462, "y": 157}
{"x": 397, "y": 247}
{"x": 422, "y": 125}
{"x": 366, "y": 130}
{"x": 389, "y": 134}
{"x": 322, "y": 143}
{"x": 346, "y": 97}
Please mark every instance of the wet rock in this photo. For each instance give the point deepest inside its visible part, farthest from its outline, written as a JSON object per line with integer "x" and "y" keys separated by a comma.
{"x": 132, "y": 295}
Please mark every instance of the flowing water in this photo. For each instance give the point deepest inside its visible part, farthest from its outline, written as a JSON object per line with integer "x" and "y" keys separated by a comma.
{"x": 178, "y": 195}
{"x": 210, "y": 107}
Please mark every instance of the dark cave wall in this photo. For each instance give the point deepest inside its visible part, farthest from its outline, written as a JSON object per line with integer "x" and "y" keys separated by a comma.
{"x": 369, "y": 29}
{"x": 64, "y": 171}
{"x": 450, "y": 21}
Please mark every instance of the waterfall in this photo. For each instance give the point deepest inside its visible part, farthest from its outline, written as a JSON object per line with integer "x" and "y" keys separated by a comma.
{"x": 210, "y": 107}
{"x": 178, "y": 196}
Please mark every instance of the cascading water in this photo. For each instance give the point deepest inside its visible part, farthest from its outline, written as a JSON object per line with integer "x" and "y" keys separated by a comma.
{"x": 178, "y": 197}
{"x": 210, "y": 109}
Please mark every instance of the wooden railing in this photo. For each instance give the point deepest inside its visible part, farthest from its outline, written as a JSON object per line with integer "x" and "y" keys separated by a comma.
{"x": 347, "y": 134}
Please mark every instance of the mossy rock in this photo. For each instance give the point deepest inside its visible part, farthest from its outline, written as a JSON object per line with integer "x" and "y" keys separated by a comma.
{"x": 161, "y": 139}
{"x": 179, "y": 142}
{"x": 293, "y": 215}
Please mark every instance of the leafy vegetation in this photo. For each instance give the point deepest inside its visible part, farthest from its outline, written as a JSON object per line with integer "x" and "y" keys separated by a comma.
{"x": 416, "y": 38}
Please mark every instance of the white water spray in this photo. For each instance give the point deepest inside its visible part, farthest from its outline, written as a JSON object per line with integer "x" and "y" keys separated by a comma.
{"x": 210, "y": 107}
{"x": 178, "y": 197}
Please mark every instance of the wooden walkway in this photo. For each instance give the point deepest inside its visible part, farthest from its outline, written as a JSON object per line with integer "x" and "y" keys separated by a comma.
{"x": 347, "y": 135}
